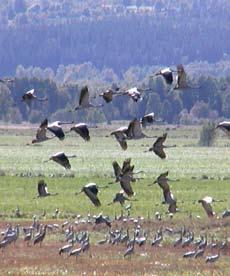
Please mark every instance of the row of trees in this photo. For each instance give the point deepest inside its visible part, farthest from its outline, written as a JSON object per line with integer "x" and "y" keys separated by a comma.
{"x": 210, "y": 100}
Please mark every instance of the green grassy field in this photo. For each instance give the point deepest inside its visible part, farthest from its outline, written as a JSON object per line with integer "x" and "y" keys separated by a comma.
{"x": 22, "y": 164}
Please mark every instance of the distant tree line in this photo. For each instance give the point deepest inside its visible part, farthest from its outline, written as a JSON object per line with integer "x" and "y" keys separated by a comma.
{"x": 115, "y": 42}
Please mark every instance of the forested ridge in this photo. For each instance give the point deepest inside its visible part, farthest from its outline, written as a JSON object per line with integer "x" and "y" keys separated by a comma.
{"x": 117, "y": 35}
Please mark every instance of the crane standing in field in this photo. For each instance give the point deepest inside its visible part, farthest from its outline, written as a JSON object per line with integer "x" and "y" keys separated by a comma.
{"x": 39, "y": 238}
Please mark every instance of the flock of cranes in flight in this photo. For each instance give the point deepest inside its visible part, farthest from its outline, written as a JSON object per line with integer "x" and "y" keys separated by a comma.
{"x": 124, "y": 174}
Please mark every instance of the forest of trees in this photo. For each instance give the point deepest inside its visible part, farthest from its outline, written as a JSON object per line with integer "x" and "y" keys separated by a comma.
{"x": 57, "y": 46}
{"x": 62, "y": 32}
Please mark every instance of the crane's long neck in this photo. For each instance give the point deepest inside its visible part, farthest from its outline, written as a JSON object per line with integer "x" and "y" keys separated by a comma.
{"x": 42, "y": 99}
{"x": 65, "y": 123}
{"x": 72, "y": 156}
{"x": 94, "y": 105}
{"x": 146, "y": 136}
{"x": 166, "y": 147}
{"x": 78, "y": 193}
{"x": 103, "y": 187}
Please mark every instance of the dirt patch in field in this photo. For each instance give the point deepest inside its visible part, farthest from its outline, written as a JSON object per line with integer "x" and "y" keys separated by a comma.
{"x": 107, "y": 259}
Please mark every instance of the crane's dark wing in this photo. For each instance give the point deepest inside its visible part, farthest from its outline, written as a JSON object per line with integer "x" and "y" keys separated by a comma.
{"x": 121, "y": 138}
{"x": 168, "y": 76}
{"x": 117, "y": 170}
{"x": 147, "y": 119}
{"x": 92, "y": 196}
{"x": 41, "y": 131}
{"x": 162, "y": 179}
{"x": 82, "y": 130}
{"x": 84, "y": 96}
{"x": 208, "y": 208}
{"x": 172, "y": 207}
{"x": 158, "y": 146}
{"x": 160, "y": 140}
{"x": 134, "y": 129}
{"x": 127, "y": 166}
{"x": 63, "y": 160}
{"x": 42, "y": 189}
{"x": 181, "y": 77}
{"x": 160, "y": 152}
{"x": 125, "y": 184}
{"x": 58, "y": 132}
{"x": 44, "y": 123}
{"x": 107, "y": 96}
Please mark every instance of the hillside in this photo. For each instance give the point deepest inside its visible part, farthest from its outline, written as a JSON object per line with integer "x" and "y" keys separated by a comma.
{"x": 113, "y": 34}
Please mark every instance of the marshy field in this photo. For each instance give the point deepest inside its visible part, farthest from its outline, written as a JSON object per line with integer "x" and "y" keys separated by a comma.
{"x": 195, "y": 172}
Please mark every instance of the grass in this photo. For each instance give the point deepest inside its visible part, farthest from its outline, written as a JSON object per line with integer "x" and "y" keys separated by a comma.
{"x": 22, "y": 163}
{"x": 95, "y": 158}
{"x": 201, "y": 171}
{"x": 22, "y": 192}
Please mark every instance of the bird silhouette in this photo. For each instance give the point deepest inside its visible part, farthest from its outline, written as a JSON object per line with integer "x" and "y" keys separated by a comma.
{"x": 158, "y": 146}
{"x": 91, "y": 190}
{"x": 61, "y": 159}
{"x": 82, "y": 130}
{"x": 84, "y": 99}
{"x": 30, "y": 96}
